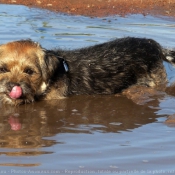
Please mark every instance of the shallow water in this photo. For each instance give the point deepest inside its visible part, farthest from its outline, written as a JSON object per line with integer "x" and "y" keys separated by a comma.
{"x": 86, "y": 134}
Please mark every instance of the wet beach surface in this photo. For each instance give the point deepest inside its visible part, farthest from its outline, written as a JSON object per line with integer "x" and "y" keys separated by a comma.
{"x": 101, "y": 8}
{"x": 87, "y": 134}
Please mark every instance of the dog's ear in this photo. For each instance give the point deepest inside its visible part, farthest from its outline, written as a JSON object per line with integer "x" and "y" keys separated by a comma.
{"x": 49, "y": 65}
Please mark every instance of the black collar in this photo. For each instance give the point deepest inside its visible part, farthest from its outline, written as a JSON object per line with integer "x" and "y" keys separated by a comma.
{"x": 65, "y": 65}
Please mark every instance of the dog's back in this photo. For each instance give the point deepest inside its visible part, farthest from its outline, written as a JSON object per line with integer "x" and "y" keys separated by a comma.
{"x": 110, "y": 67}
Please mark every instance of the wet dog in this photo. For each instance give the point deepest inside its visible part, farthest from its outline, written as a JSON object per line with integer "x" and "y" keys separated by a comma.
{"x": 29, "y": 72}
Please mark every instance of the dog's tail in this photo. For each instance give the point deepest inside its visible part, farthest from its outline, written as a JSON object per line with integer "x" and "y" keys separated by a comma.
{"x": 169, "y": 56}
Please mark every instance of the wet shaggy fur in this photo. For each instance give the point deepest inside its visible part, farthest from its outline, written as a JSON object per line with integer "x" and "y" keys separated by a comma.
{"x": 106, "y": 68}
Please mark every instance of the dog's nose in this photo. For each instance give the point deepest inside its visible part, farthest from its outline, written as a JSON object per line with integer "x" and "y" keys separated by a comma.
{"x": 11, "y": 85}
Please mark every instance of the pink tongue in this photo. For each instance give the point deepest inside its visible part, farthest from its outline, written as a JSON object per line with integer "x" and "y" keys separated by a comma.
{"x": 16, "y": 92}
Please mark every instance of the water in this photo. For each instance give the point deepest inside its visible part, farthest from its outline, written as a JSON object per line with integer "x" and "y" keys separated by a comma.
{"x": 86, "y": 134}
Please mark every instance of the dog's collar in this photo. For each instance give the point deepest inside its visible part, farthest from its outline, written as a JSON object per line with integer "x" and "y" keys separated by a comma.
{"x": 65, "y": 66}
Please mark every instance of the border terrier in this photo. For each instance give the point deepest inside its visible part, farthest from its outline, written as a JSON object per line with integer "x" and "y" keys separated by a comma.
{"x": 29, "y": 72}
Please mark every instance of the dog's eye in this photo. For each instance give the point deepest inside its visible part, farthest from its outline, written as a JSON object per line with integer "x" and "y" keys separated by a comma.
{"x": 3, "y": 70}
{"x": 28, "y": 71}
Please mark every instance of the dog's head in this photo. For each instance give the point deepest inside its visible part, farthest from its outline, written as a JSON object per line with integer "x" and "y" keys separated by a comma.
{"x": 25, "y": 70}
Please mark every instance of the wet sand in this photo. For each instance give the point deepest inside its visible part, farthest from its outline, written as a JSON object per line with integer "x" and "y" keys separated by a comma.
{"x": 101, "y": 8}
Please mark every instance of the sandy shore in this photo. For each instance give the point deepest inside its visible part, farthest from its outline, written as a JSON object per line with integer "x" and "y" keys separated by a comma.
{"x": 99, "y": 8}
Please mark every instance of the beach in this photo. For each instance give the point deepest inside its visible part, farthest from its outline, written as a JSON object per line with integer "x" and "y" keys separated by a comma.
{"x": 100, "y": 8}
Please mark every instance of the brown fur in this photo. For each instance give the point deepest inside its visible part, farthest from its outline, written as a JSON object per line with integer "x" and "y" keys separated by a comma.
{"x": 15, "y": 59}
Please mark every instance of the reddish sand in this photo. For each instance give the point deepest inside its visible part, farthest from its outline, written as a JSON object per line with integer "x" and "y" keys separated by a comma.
{"x": 102, "y": 7}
